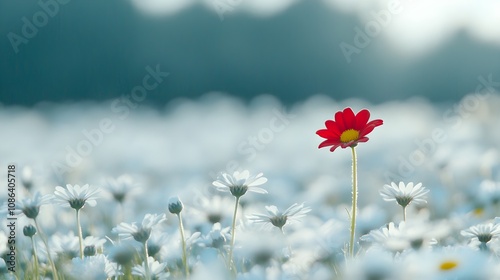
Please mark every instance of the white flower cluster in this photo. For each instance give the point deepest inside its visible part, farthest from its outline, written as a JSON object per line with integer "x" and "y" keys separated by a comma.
{"x": 169, "y": 216}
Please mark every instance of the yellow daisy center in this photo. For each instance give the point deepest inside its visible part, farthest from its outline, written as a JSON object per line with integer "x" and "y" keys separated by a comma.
{"x": 448, "y": 265}
{"x": 478, "y": 211}
{"x": 349, "y": 135}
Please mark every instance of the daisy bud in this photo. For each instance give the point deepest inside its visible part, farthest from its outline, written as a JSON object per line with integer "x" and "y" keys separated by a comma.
{"x": 175, "y": 205}
{"x": 89, "y": 251}
{"x": 29, "y": 230}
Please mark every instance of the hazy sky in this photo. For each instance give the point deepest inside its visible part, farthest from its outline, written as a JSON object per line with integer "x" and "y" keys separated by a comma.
{"x": 380, "y": 50}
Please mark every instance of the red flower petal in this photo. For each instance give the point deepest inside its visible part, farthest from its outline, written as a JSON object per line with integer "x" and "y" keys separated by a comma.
{"x": 334, "y": 148}
{"x": 325, "y": 133}
{"x": 330, "y": 125}
{"x": 349, "y": 118}
{"x": 376, "y": 122}
{"x": 361, "y": 119}
{"x": 339, "y": 121}
{"x": 369, "y": 127}
{"x": 344, "y": 120}
{"x": 328, "y": 142}
{"x": 363, "y": 139}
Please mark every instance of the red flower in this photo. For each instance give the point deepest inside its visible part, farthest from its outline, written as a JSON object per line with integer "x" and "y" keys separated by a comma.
{"x": 347, "y": 130}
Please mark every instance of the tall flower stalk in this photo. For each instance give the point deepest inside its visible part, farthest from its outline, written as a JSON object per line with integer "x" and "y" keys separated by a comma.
{"x": 354, "y": 209}
{"x": 31, "y": 208}
{"x": 140, "y": 234}
{"x": 347, "y": 130}
{"x": 175, "y": 206}
{"x": 146, "y": 261}
{"x": 46, "y": 244}
{"x": 233, "y": 228}
{"x": 30, "y": 231}
{"x": 76, "y": 197}
{"x": 238, "y": 184}
{"x": 80, "y": 235}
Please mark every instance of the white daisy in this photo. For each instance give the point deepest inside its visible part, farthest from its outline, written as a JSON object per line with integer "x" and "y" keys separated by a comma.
{"x": 406, "y": 235}
{"x": 121, "y": 187}
{"x": 65, "y": 245}
{"x": 446, "y": 263}
{"x": 482, "y": 232}
{"x": 239, "y": 183}
{"x": 280, "y": 219}
{"x": 157, "y": 242}
{"x": 31, "y": 207}
{"x": 217, "y": 237}
{"x": 405, "y": 194}
{"x": 75, "y": 196}
{"x": 156, "y": 269}
{"x": 139, "y": 233}
{"x": 388, "y": 236}
{"x": 214, "y": 209}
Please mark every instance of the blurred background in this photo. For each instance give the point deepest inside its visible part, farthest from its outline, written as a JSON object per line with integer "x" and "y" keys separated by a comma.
{"x": 178, "y": 91}
{"x": 174, "y": 92}
{"x": 66, "y": 50}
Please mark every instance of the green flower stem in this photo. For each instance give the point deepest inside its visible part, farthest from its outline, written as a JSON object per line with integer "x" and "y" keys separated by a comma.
{"x": 231, "y": 262}
{"x": 128, "y": 271}
{"x": 354, "y": 201}
{"x": 183, "y": 240}
{"x": 79, "y": 229}
{"x": 404, "y": 214}
{"x": 42, "y": 236}
{"x": 37, "y": 275}
{"x": 286, "y": 241}
{"x": 146, "y": 261}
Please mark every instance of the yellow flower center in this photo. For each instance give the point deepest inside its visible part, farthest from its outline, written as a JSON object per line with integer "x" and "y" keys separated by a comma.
{"x": 478, "y": 211}
{"x": 448, "y": 265}
{"x": 349, "y": 135}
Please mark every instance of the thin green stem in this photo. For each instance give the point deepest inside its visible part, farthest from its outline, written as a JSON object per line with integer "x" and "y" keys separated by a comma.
{"x": 42, "y": 236}
{"x": 404, "y": 214}
{"x": 286, "y": 241}
{"x": 231, "y": 262}
{"x": 183, "y": 240}
{"x": 354, "y": 201}
{"x": 128, "y": 271}
{"x": 37, "y": 275}
{"x": 79, "y": 229}
{"x": 146, "y": 261}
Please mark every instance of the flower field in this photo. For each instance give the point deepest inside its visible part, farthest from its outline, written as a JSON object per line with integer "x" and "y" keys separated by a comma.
{"x": 219, "y": 188}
